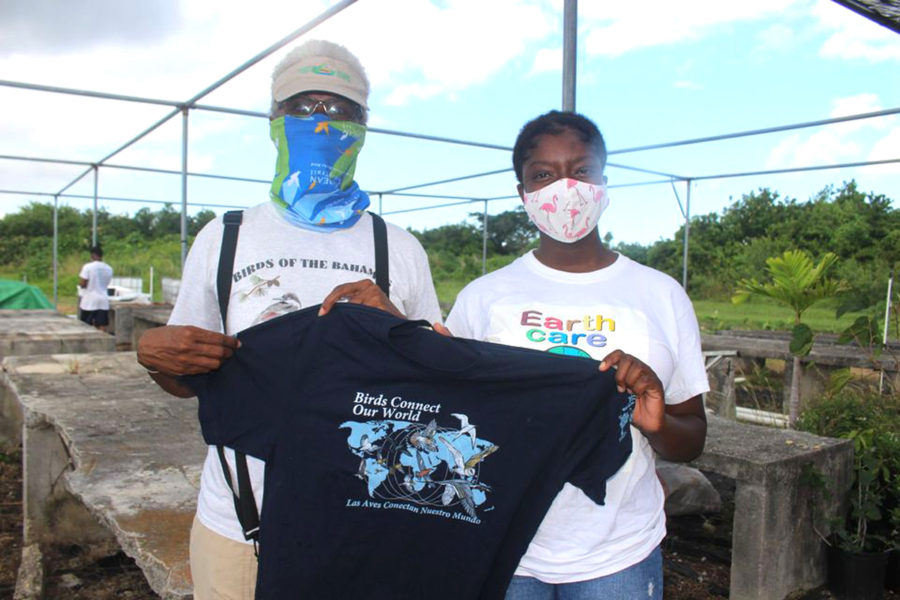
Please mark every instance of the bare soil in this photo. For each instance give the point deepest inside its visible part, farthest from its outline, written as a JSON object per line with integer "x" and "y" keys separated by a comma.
{"x": 696, "y": 554}
{"x": 10, "y": 521}
{"x": 68, "y": 577}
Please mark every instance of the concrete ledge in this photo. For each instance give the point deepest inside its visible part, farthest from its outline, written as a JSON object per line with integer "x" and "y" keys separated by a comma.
{"x": 146, "y": 318}
{"x": 30, "y": 578}
{"x": 121, "y": 321}
{"x": 775, "y": 548}
{"x": 30, "y": 332}
{"x": 25, "y": 332}
{"x": 102, "y": 438}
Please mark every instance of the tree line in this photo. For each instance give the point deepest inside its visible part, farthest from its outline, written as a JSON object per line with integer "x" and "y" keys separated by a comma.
{"x": 26, "y": 236}
{"x": 861, "y": 228}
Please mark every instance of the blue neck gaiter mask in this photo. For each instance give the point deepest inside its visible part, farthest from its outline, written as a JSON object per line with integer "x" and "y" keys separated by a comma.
{"x": 313, "y": 186}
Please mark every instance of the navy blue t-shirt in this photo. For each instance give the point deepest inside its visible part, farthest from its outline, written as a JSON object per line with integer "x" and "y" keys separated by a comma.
{"x": 400, "y": 463}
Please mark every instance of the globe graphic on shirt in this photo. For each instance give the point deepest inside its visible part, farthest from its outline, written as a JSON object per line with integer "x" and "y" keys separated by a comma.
{"x": 568, "y": 351}
{"x": 427, "y": 465}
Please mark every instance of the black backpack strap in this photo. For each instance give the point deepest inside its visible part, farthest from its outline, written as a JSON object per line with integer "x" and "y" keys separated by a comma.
{"x": 244, "y": 502}
{"x": 382, "y": 273}
{"x": 246, "y": 512}
{"x": 232, "y": 221}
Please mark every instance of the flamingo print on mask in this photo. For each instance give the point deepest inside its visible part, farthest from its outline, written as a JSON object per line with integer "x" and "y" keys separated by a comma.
{"x": 550, "y": 207}
{"x": 567, "y": 210}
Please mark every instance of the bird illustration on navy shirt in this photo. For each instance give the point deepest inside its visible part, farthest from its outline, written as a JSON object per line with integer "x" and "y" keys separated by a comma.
{"x": 459, "y": 464}
{"x": 424, "y": 439}
{"x": 465, "y": 427}
{"x": 459, "y": 489}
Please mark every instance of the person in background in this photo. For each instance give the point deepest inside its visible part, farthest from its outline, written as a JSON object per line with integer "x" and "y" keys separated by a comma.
{"x": 573, "y": 295}
{"x": 94, "y": 278}
{"x": 311, "y": 243}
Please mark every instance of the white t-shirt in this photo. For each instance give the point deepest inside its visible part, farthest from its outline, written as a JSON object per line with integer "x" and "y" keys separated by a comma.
{"x": 279, "y": 268}
{"x": 624, "y": 306}
{"x": 98, "y": 275}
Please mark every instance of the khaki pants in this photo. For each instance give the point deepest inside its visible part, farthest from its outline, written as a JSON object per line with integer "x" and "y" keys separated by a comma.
{"x": 221, "y": 568}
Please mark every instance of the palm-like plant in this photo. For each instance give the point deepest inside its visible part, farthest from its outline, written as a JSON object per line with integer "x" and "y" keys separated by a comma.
{"x": 799, "y": 284}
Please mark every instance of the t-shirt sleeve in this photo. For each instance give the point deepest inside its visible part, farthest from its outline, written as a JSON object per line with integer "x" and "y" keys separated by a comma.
{"x": 689, "y": 378}
{"x": 466, "y": 317}
{"x": 423, "y": 302}
{"x": 197, "y": 303}
{"x": 240, "y": 403}
{"x": 84, "y": 273}
{"x": 610, "y": 431}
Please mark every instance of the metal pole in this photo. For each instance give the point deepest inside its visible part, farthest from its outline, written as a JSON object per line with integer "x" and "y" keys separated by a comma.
{"x": 887, "y": 320}
{"x": 379, "y": 203}
{"x": 151, "y": 284}
{"x": 570, "y": 37}
{"x": 184, "y": 161}
{"x": 56, "y": 251}
{"x": 94, "y": 224}
{"x": 687, "y": 236}
{"x": 484, "y": 227}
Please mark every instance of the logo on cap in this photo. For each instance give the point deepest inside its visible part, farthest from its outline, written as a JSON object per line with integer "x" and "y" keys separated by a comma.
{"x": 325, "y": 70}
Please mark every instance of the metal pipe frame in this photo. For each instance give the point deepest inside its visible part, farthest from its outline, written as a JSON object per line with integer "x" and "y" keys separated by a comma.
{"x": 568, "y": 103}
{"x": 184, "y": 185}
{"x": 436, "y": 196}
{"x": 570, "y": 44}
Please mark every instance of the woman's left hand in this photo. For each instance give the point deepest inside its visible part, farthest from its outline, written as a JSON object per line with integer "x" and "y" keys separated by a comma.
{"x": 633, "y": 376}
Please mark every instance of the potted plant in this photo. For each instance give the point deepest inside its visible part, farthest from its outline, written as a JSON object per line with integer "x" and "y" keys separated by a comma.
{"x": 892, "y": 581}
{"x": 858, "y": 548}
{"x": 860, "y": 541}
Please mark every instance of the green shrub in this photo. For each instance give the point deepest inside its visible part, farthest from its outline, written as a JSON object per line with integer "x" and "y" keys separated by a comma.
{"x": 872, "y": 422}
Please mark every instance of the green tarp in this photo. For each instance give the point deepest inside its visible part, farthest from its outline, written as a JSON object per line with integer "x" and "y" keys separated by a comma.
{"x": 15, "y": 294}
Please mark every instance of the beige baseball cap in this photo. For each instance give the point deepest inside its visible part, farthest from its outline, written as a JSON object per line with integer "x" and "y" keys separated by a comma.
{"x": 320, "y": 66}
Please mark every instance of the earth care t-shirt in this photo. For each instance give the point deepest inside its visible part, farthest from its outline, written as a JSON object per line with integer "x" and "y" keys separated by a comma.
{"x": 401, "y": 463}
{"x": 624, "y": 306}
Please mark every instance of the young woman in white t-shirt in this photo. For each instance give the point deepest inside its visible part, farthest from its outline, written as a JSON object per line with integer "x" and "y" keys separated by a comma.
{"x": 573, "y": 295}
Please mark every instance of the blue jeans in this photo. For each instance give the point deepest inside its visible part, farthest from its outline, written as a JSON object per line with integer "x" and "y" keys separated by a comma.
{"x": 643, "y": 580}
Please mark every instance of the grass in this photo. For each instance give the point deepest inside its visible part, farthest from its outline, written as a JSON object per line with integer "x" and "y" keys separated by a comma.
{"x": 756, "y": 314}
{"x": 712, "y": 314}
{"x": 719, "y": 314}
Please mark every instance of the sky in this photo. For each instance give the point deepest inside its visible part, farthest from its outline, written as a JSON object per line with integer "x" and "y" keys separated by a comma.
{"x": 648, "y": 73}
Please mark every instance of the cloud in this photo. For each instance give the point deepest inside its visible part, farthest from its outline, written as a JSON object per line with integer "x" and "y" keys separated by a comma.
{"x": 820, "y": 148}
{"x": 614, "y": 29}
{"x": 403, "y": 93}
{"x": 444, "y": 48}
{"x": 777, "y": 38}
{"x": 845, "y": 45}
{"x": 172, "y": 61}
{"x": 887, "y": 148}
{"x": 620, "y": 27}
{"x": 852, "y": 141}
{"x": 856, "y": 105}
{"x": 49, "y": 26}
{"x": 852, "y": 36}
{"x": 547, "y": 60}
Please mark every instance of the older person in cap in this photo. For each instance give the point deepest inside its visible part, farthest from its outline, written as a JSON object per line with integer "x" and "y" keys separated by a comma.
{"x": 311, "y": 243}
